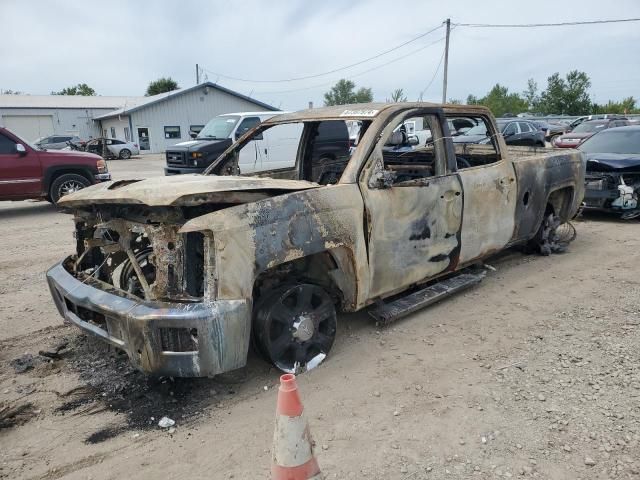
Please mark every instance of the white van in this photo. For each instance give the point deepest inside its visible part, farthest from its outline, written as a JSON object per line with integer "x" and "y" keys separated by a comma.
{"x": 275, "y": 148}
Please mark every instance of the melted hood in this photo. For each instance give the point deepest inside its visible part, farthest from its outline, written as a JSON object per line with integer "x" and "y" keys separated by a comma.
{"x": 183, "y": 190}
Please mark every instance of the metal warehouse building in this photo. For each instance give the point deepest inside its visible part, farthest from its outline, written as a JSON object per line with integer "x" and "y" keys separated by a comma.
{"x": 166, "y": 119}
{"x": 154, "y": 122}
{"x": 36, "y": 116}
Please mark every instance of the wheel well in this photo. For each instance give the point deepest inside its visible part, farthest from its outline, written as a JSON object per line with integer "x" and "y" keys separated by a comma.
{"x": 323, "y": 268}
{"x": 559, "y": 202}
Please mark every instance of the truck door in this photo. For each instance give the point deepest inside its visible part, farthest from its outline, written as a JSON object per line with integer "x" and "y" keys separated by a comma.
{"x": 489, "y": 184}
{"x": 20, "y": 173}
{"x": 413, "y": 207}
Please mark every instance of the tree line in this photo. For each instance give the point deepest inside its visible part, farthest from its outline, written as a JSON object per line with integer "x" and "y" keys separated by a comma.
{"x": 568, "y": 95}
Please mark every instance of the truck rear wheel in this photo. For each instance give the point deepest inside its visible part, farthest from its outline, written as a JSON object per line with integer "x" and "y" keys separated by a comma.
{"x": 553, "y": 236}
{"x": 66, "y": 184}
{"x": 294, "y": 326}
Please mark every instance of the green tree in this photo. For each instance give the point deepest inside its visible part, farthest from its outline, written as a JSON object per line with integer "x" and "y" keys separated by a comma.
{"x": 531, "y": 94}
{"x": 568, "y": 96}
{"x": 454, "y": 101}
{"x": 500, "y": 101}
{"x": 624, "y": 107}
{"x": 11, "y": 92}
{"x": 80, "y": 89}
{"x": 398, "y": 95}
{"x": 161, "y": 85}
{"x": 343, "y": 93}
{"x": 472, "y": 100}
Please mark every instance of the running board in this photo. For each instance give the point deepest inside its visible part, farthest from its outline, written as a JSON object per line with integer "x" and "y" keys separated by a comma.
{"x": 386, "y": 313}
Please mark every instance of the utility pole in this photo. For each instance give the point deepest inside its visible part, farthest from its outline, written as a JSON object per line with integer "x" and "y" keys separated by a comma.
{"x": 446, "y": 62}
{"x": 197, "y": 75}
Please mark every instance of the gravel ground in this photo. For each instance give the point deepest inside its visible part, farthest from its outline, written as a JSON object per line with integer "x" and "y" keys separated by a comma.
{"x": 532, "y": 374}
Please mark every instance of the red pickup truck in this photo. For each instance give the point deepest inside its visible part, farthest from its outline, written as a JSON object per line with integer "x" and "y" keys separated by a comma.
{"x": 26, "y": 172}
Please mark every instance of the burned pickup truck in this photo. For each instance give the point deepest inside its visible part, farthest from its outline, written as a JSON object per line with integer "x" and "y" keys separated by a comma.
{"x": 184, "y": 273}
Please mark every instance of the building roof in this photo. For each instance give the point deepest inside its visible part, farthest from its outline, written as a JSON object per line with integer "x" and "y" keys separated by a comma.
{"x": 67, "y": 101}
{"x": 147, "y": 101}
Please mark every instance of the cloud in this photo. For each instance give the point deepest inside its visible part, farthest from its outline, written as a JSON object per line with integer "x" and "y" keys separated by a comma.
{"x": 119, "y": 47}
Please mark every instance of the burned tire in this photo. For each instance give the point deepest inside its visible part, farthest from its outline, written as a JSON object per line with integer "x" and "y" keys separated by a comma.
{"x": 294, "y": 326}
{"x": 66, "y": 184}
{"x": 553, "y": 236}
{"x": 125, "y": 154}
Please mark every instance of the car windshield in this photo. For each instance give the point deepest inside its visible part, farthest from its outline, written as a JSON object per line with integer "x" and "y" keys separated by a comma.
{"x": 219, "y": 128}
{"x": 480, "y": 129}
{"x": 613, "y": 141}
{"x": 589, "y": 127}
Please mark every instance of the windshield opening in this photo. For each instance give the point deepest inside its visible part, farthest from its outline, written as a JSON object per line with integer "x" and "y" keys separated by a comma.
{"x": 587, "y": 127}
{"x": 219, "y": 128}
{"x": 480, "y": 129}
{"x": 613, "y": 141}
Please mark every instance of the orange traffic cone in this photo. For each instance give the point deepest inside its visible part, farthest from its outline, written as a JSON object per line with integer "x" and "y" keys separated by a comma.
{"x": 292, "y": 457}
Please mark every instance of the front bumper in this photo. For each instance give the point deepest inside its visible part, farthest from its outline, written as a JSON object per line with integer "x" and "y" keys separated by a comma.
{"x": 162, "y": 338}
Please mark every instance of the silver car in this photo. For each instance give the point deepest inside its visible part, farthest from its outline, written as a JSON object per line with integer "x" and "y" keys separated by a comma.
{"x": 56, "y": 142}
{"x": 115, "y": 148}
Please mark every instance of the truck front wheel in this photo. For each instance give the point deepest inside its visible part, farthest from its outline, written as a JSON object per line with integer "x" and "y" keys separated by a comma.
{"x": 294, "y": 326}
{"x": 65, "y": 184}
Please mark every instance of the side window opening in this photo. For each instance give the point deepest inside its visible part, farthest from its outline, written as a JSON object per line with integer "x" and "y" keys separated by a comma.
{"x": 408, "y": 151}
{"x": 327, "y": 151}
{"x": 477, "y": 146}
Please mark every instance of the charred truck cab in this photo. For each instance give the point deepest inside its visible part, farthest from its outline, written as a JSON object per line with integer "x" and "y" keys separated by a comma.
{"x": 181, "y": 272}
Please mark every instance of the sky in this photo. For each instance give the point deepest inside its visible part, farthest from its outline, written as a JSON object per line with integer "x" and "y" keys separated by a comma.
{"x": 118, "y": 47}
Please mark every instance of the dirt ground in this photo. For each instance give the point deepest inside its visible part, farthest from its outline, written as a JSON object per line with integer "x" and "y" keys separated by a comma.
{"x": 533, "y": 373}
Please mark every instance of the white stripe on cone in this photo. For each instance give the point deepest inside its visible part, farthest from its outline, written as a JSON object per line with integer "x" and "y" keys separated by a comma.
{"x": 292, "y": 442}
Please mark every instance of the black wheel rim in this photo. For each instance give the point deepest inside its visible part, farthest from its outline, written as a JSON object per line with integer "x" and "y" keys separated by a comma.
{"x": 296, "y": 327}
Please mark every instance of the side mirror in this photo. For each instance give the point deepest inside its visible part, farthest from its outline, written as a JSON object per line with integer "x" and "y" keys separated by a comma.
{"x": 413, "y": 140}
{"x": 193, "y": 134}
{"x": 20, "y": 149}
{"x": 507, "y": 135}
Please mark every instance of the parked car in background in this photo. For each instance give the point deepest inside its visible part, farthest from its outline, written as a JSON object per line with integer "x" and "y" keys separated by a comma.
{"x": 585, "y": 130}
{"x": 28, "y": 172}
{"x": 613, "y": 171}
{"x": 56, "y": 142}
{"x": 515, "y": 132}
{"x": 112, "y": 148}
{"x": 551, "y": 130}
{"x": 598, "y": 116}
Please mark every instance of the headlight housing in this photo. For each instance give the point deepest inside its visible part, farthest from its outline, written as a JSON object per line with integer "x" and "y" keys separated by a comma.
{"x": 101, "y": 165}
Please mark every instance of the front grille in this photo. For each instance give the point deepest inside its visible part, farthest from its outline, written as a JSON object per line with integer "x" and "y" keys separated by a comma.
{"x": 179, "y": 339}
{"x": 176, "y": 158}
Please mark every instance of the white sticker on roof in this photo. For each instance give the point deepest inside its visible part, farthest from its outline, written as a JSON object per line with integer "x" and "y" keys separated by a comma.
{"x": 359, "y": 113}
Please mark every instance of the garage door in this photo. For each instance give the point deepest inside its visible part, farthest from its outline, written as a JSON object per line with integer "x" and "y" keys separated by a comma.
{"x": 29, "y": 127}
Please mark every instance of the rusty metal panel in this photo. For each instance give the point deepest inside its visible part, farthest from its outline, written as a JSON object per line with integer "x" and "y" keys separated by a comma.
{"x": 413, "y": 232}
{"x": 182, "y": 190}
{"x": 261, "y": 235}
{"x": 490, "y": 195}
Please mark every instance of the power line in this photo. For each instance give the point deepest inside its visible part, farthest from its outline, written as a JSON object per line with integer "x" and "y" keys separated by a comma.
{"x": 532, "y": 25}
{"x": 434, "y": 76}
{"x": 306, "y": 77}
{"x": 357, "y": 74}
